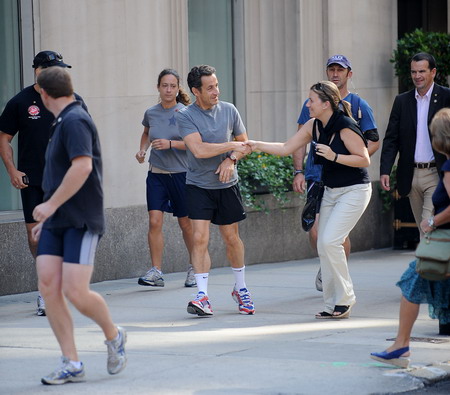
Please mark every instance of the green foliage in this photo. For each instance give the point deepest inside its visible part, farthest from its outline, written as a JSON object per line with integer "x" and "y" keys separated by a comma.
{"x": 436, "y": 44}
{"x": 387, "y": 197}
{"x": 264, "y": 171}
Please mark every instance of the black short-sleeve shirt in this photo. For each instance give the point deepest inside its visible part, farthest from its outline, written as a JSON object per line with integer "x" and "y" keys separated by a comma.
{"x": 26, "y": 114}
{"x": 74, "y": 134}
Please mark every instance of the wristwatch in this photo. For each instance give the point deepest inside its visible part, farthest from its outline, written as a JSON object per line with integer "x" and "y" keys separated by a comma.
{"x": 298, "y": 172}
{"x": 233, "y": 157}
{"x": 431, "y": 223}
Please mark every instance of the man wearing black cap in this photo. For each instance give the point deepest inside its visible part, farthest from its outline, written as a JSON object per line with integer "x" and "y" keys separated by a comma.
{"x": 339, "y": 71}
{"x": 26, "y": 115}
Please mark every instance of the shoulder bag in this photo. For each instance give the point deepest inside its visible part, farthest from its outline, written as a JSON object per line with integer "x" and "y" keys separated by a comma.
{"x": 433, "y": 255}
{"x": 314, "y": 195}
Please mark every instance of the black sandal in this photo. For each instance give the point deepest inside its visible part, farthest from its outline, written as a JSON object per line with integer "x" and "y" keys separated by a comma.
{"x": 323, "y": 315}
{"x": 343, "y": 311}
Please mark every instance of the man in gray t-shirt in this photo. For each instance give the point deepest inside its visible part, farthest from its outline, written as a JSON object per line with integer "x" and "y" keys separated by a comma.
{"x": 208, "y": 128}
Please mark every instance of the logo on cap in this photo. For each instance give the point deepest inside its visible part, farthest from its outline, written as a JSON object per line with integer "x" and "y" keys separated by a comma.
{"x": 340, "y": 60}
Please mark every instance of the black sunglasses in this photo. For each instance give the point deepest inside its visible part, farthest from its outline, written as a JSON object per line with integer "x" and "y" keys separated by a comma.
{"x": 319, "y": 87}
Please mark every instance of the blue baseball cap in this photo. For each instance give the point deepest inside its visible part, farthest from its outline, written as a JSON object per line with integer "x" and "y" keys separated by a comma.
{"x": 341, "y": 60}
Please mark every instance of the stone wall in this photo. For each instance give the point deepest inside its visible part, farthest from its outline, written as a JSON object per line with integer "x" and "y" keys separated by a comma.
{"x": 123, "y": 251}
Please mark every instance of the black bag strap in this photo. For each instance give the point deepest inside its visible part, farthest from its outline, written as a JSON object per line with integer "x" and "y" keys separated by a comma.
{"x": 315, "y": 139}
{"x": 314, "y": 131}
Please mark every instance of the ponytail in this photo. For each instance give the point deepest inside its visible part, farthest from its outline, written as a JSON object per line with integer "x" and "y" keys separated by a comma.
{"x": 183, "y": 97}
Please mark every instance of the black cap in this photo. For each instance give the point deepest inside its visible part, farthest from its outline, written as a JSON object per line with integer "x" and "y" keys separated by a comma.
{"x": 47, "y": 59}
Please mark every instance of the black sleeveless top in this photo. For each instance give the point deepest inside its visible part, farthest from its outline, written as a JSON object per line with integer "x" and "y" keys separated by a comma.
{"x": 335, "y": 175}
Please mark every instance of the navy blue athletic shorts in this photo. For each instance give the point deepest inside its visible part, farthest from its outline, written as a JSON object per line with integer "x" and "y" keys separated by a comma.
{"x": 72, "y": 244}
{"x": 220, "y": 206}
{"x": 32, "y": 195}
{"x": 167, "y": 192}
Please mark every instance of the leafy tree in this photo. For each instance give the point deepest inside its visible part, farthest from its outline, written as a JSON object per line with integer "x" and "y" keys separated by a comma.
{"x": 436, "y": 44}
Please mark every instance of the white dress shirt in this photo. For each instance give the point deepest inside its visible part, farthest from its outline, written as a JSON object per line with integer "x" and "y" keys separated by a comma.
{"x": 424, "y": 152}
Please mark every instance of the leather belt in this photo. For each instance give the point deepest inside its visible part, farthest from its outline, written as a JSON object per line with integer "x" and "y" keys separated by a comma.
{"x": 425, "y": 165}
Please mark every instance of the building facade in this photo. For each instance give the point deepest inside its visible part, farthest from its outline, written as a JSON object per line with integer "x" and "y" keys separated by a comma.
{"x": 267, "y": 54}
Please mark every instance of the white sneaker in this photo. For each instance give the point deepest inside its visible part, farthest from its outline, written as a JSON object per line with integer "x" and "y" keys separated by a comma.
{"x": 64, "y": 374}
{"x": 117, "y": 358}
{"x": 190, "y": 278}
{"x": 40, "y": 306}
{"x": 319, "y": 286}
{"x": 153, "y": 278}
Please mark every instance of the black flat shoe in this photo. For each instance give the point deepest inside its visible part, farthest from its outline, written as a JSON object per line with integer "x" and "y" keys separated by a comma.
{"x": 323, "y": 315}
{"x": 341, "y": 312}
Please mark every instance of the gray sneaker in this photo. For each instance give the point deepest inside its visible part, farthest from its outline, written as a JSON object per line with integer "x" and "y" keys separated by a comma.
{"x": 64, "y": 374}
{"x": 153, "y": 278}
{"x": 319, "y": 281}
{"x": 40, "y": 306}
{"x": 190, "y": 278}
{"x": 117, "y": 358}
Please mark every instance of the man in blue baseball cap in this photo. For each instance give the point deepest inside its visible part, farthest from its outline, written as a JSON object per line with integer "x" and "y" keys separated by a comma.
{"x": 339, "y": 71}
{"x": 26, "y": 115}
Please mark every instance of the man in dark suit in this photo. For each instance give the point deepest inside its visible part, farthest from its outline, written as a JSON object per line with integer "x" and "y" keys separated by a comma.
{"x": 408, "y": 135}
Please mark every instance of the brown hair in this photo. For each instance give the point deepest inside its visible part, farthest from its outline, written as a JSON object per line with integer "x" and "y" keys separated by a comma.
{"x": 182, "y": 96}
{"x": 56, "y": 82}
{"x": 328, "y": 91}
{"x": 440, "y": 131}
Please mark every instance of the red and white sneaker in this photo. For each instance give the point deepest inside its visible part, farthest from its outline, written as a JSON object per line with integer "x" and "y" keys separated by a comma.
{"x": 200, "y": 305}
{"x": 244, "y": 300}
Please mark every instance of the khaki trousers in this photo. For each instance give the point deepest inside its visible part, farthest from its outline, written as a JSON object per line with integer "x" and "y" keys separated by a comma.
{"x": 423, "y": 185}
{"x": 340, "y": 211}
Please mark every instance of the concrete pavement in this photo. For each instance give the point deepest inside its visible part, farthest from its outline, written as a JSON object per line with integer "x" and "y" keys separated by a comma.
{"x": 282, "y": 349}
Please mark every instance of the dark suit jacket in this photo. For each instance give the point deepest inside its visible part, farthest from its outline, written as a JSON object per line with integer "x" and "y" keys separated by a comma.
{"x": 401, "y": 135}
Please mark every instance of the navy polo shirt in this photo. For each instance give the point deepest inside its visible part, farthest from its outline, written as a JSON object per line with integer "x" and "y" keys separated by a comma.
{"x": 74, "y": 134}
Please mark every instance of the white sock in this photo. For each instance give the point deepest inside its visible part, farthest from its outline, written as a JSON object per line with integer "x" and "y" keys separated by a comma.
{"x": 76, "y": 364}
{"x": 202, "y": 282}
{"x": 239, "y": 277}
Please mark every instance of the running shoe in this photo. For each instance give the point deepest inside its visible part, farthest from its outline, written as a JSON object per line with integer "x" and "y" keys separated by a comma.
{"x": 64, "y": 374}
{"x": 117, "y": 358}
{"x": 319, "y": 286}
{"x": 200, "y": 305}
{"x": 152, "y": 278}
{"x": 244, "y": 300}
{"x": 190, "y": 278}
{"x": 40, "y": 306}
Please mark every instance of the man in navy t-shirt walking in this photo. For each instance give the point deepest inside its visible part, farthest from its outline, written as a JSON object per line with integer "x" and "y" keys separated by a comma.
{"x": 70, "y": 224}
{"x": 26, "y": 115}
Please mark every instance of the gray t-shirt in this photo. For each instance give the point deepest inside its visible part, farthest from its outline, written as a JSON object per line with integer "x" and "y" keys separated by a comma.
{"x": 163, "y": 125}
{"x": 219, "y": 124}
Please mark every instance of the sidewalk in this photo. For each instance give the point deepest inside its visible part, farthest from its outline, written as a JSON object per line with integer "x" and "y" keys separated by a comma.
{"x": 282, "y": 349}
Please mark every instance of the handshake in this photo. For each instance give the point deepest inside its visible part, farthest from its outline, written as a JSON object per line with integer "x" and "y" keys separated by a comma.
{"x": 245, "y": 147}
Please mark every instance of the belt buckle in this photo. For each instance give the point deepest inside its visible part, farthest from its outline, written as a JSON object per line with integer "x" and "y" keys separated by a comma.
{"x": 423, "y": 165}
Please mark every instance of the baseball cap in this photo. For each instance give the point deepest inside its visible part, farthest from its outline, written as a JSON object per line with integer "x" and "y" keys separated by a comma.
{"x": 340, "y": 60}
{"x": 47, "y": 59}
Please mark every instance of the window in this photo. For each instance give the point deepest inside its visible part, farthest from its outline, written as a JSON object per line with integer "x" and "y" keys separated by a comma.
{"x": 9, "y": 85}
{"x": 211, "y": 40}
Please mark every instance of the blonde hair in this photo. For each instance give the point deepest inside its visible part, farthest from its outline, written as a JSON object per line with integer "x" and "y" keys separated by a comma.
{"x": 440, "y": 131}
{"x": 328, "y": 91}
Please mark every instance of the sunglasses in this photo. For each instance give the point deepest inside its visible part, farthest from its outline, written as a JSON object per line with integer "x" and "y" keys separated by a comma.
{"x": 319, "y": 87}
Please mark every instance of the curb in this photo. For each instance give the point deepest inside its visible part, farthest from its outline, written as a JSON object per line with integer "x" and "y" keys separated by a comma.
{"x": 431, "y": 374}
